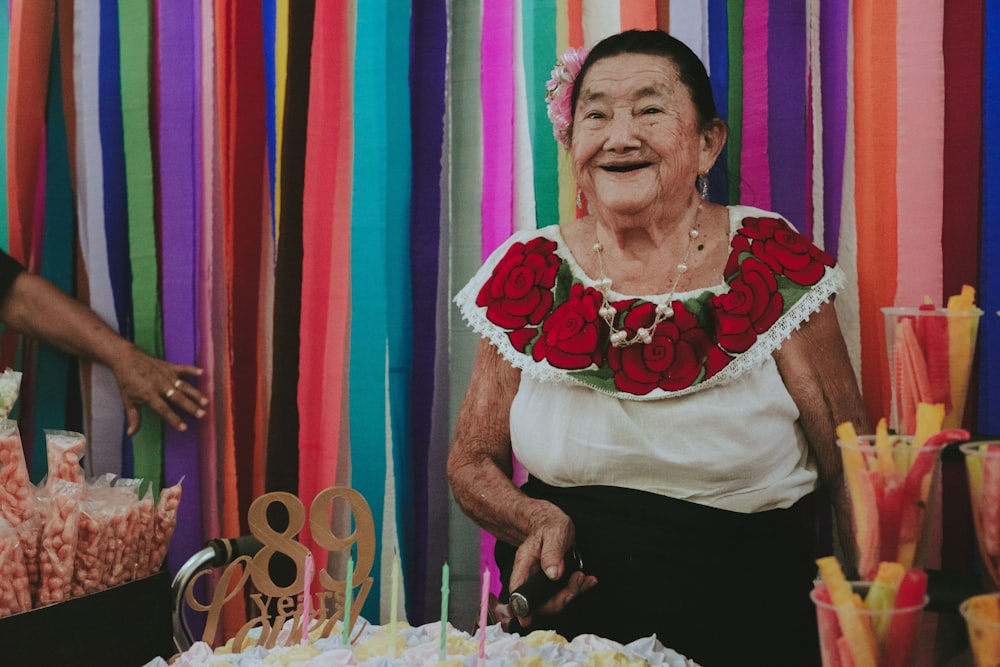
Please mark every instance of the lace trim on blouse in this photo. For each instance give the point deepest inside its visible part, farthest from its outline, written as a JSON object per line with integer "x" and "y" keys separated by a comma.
{"x": 531, "y": 300}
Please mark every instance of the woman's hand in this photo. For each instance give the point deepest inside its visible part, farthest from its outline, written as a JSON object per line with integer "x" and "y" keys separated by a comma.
{"x": 145, "y": 380}
{"x": 551, "y": 537}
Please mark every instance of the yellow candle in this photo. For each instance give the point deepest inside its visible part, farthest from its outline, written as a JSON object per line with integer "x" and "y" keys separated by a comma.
{"x": 394, "y": 604}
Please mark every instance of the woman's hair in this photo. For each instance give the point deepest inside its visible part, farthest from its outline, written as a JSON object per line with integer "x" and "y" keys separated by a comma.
{"x": 657, "y": 43}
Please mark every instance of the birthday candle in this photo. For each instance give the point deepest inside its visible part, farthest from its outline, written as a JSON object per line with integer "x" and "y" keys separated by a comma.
{"x": 445, "y": 587}
{"x": 483, "y": 601}
{"x": 394, "y": 605}
{"x": 307, "y": 597}
{"x": 348, "y": 594}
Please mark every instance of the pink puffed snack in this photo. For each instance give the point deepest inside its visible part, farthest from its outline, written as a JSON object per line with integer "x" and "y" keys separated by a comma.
{"x": 65, "y": 451}
{"x": 120, "y": 534}
{"x": 10, "y": 387}
{"x": 145, "y": 542}
{"x": 17, "y": 502}
{"x": 129, "y": 490}
{"x": 15, "y": 596}
{"x": 164, "y": 522}
{"x": 57, "y": 545}
{"x": 89, "y": 562}
{"x": 29, "y": 532}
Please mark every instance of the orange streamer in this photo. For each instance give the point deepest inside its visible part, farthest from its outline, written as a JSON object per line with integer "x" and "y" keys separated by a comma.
{"x": 638, "y": 14}
{"x": 875, "y": 188}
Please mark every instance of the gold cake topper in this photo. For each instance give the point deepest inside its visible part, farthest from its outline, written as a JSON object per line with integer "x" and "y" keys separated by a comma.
{"x": 272, "y": 605}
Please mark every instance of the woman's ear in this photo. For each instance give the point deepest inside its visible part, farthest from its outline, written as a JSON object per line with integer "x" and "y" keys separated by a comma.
{"x": 713, "y": 139}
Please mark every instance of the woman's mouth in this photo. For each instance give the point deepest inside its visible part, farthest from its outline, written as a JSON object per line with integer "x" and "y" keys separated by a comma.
{"x": 624, "y": 168}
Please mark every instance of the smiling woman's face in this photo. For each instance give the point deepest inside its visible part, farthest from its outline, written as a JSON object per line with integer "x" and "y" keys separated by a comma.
{"x": 636, "y": 146}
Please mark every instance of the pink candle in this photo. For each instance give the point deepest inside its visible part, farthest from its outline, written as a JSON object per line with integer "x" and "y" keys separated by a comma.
{"x": 483, "y": 602}
{"x": 307, "y": 597}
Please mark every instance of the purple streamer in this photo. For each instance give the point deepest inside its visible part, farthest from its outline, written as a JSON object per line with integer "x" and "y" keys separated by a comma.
{"x": 786, "y": 63}
{"x": 429, "y": 38}
{"x": 833, "y": 24}
{"x": 177, "y": 68}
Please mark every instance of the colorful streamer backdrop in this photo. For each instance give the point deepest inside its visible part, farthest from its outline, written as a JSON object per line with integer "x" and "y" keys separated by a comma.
{"x": 289, "y": 193}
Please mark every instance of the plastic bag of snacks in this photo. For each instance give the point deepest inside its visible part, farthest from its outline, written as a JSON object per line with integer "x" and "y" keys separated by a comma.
{"x": 58, "y": 540}
{"x": 89, "y": 563}
{"x": 65, "y": 450}
{"x": 15, "y": 595}
{"x": 147, "y": 511}
{"x": 129, "y": 491}
{"x": 17, "y": 494}
{"x": 164, "y": 522}
{"x": 10, "y": 387}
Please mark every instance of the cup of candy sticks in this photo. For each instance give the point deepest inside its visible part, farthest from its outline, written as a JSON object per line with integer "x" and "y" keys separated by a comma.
{"x": 982, "y": 464}
{"x": 982, "y": 620}
{"x": 930, "y": 356}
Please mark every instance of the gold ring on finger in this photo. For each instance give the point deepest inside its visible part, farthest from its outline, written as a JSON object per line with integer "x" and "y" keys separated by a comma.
{"x": 170, "y": 392}
{"x": 177, "y": 383}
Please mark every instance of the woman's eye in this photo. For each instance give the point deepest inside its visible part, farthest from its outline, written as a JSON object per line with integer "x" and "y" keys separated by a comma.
{"x": 651, "y": 110}
{"x": 594, "y": 114}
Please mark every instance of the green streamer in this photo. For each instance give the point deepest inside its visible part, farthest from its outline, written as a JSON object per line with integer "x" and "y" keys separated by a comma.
{"x": 539, "y": 58}
{"x": 735, "y": 122}
{"x": 135, "y": 44}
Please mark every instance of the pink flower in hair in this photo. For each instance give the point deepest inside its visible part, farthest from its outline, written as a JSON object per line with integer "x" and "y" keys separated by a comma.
{"x": 559, "y": 92}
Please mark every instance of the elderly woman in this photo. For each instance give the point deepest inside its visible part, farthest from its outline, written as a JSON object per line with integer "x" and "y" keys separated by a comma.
{"x": 670, "y": 373}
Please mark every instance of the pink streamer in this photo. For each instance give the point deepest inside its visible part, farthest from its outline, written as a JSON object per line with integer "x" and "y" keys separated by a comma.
{"x": 755, "y": 184}
{"x": 920, "y": 152}
{"x": 497, "y": 82}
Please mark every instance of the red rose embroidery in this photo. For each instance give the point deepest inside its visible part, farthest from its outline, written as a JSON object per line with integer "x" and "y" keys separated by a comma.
{"x": 750, "y": 307}
{"x": 673, "y": 360}
{"x": 519, "y": 293}
{"x": 739, "y": 245}
{"x": 573, "y": 335}
{"x": 786, "y": 251}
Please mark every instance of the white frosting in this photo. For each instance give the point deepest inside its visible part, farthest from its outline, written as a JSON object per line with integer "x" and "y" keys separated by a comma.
{"x": 422, "y": 649}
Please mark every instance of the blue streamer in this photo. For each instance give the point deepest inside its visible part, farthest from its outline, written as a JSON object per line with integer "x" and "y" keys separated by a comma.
{"x": 270, "y": 13}
{"x": 115, "y": 189}
{"x": 989, "y": 286}
{"x": 718, "y": 58}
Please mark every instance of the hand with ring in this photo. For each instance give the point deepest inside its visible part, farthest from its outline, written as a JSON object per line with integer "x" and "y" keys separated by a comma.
{"x": 141, "y": 379}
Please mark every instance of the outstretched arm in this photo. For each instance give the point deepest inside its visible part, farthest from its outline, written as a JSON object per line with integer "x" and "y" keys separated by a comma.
{"x": 39, "y": 309}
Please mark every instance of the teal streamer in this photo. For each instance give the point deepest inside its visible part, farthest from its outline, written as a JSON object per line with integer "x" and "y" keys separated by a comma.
{"x": 52, "y": 368}
{"x": 538, "y": 21}
{"x": 369, "y": 269}
{"x": 399, "y": 317}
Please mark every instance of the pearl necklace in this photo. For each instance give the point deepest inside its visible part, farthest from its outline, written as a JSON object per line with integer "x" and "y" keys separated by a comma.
{"x": 664, "y": 311}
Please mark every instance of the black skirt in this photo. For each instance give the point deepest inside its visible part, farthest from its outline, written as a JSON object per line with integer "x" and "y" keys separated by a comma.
{"x": 723, "y": 588}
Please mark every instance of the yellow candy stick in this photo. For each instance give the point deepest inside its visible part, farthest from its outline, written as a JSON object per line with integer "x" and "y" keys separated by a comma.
{"x": 854, "y": 463}
{"x": 961, "y": 333}
{"x": 856, "y": 628}
{"x": 929, "y": 419}
{"x": 883, "y": 449}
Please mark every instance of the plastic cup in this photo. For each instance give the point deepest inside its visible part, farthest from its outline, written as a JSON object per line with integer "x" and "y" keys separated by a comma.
{"x": 982, "y": 463}
{"x": 893, "y": 500}
{"x": 861, "y": 636}
{"x": 984, "y": 628}
{"x": 930, "y": 356}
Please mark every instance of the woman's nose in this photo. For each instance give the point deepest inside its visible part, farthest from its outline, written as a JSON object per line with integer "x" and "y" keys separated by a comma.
{"x": 622, "y": 133}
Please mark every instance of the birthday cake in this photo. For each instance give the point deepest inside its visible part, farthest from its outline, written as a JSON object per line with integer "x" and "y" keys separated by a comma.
{"x": 418, "y": 646}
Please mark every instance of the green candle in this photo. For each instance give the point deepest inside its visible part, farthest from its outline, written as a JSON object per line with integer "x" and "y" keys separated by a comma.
{"x": 443, "y": 650}
{"x": 348, "y": 594}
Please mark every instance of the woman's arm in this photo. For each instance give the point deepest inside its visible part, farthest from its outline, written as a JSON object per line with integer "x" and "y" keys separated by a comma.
{"x": 480, "y": 471}
{"x": 37, "y": 308}
{"x": 817, "y": 372}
